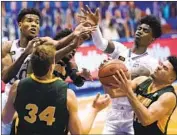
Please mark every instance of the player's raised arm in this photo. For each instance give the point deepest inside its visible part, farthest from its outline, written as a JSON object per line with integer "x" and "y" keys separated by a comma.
{"x": 101, "y": 43}
{"x": 76, "y": 126}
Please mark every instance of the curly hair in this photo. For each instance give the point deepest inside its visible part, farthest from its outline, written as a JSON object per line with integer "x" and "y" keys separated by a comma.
{"x": 42, "y": 58}
{"x": 154, "y": 23}
{"x": 25, "y": 11}
{"x": 62, "y": 34}
{"x": 173, "y": 61}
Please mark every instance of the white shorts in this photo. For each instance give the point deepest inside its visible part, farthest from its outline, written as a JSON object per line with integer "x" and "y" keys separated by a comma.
{"x": 119, "y": 121}
{"x": 6, "y": 128}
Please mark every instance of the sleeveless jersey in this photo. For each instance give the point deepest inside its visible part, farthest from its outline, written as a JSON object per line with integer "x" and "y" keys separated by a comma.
{"x": 16, "y": 52}
{"x": 159, "y": 127}
{"x": 42, "y": 107}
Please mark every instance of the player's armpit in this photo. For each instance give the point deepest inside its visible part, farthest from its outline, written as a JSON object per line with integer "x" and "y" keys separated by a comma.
{"x": 110, "y": 48}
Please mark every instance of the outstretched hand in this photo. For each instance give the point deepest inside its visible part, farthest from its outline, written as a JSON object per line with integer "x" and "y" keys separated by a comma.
{"x": 92, "y": 18}
{"x": 84, "y": 28}
{"x": 101, "y": 102}
{"x": 85, "y": 73}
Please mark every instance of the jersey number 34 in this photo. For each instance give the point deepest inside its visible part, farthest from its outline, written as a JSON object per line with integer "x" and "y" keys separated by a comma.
{"x": 46, "y": 115}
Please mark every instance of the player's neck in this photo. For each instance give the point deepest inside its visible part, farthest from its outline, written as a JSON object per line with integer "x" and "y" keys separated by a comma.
{"x": 46, "y": 77}
{"x": 23, "y": 41}
{"x": 138, "y": 49}
{"x": 156, "y": 85}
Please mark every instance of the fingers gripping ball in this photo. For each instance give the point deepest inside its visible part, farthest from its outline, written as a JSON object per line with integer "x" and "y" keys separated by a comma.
{"x": 108, "y": 69}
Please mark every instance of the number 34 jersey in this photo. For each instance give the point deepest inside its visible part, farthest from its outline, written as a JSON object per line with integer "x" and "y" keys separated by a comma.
{"x": 41, "y": 107}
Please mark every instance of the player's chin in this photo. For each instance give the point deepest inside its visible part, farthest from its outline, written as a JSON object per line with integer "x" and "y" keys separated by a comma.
{"x": 31, "y": 36}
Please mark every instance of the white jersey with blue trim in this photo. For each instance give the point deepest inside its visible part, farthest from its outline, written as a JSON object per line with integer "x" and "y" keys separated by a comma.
{"x": 16, "y": 52}
{"x": 135, "y": 63}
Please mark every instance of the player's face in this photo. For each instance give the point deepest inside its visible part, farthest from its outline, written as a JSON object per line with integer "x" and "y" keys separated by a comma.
{"x": 165, "y": 72}
{"x": 143, "y": 35}
{"x": 70, "y": 55}
{"x": 29, "y": 26}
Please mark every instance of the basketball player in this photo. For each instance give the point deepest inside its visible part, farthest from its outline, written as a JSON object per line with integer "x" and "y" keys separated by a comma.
{"x": 43, "y": 102}
{"x": 15, "y": 54}
{"x": 119, "y": 119}
{"x": 66, "y": 67}
{"x": 155, "y": 98}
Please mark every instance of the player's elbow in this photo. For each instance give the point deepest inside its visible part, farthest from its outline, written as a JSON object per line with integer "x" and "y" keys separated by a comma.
{"x": 146, "y": 122}
{"x": 5, "y": 119}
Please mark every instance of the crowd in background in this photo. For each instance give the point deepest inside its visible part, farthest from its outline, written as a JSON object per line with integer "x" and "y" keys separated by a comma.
{"x": 117, "y": 19}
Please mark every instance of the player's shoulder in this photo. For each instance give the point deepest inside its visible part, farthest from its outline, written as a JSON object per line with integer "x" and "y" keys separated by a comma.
{"x": 140, "y": 79}
{"x": 119, "y": 44}
{"x": 6, "y": 46}
{"x": 149, "y": 60}
{"x": 71, "y": 93}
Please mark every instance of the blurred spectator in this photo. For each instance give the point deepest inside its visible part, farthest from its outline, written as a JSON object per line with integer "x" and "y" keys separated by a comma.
{"x": 123, "y": 7}
{"x": 69, "y": 19}
{"x": 11, "y": 29}
{"x": 112, "y": 7}
{"x": 4, "y": 27}
{"x": 103, "y": 7}
{"x": 108, "y": 27}
{"x": 134, "y": 14}
{"x": 47, "y": 12}
{"x": 58, "y": 15}
{"x": 165, "y": 9}
{"x": 156, "y": 9}
{"x": 57, "y": 25}
{"x": 121, "y": 24}
{"x": 24, "y": 4}
{"x": 162, "y": 20}
{"x": 58, "y": 10}
{"x": 46, "y": 29}
{"x": 110, "y": 32}
{"x": 173, "y": 9}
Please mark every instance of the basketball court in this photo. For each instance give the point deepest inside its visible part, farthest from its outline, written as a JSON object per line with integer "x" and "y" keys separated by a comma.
{"x": 85, "y": 102}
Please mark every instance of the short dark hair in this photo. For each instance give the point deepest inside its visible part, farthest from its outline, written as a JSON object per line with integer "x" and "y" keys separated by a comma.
{"x": 42, "y": 58}
{"x": 154, "y": 23}
{"x": 25, "y": 11}
{"x": 173, "y": 61}
{"x": 62, "y": 34}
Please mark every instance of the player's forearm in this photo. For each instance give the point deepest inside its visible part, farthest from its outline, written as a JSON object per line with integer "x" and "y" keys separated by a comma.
{"x": 65, "y": 41}
{"x": 140, "y": 110}
{"x": 100, "y": 42}
{"x": 11, "y": 71}
{"x": 62, "y": 52}
{"x": 88, "y": 121}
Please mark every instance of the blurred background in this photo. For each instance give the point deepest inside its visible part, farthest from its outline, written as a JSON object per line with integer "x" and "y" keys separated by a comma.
{"x": 118, "y": 21}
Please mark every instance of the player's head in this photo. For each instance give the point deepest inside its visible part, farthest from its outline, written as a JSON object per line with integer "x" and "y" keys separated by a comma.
{"x": 60, "y": 35}
{"x": 166, "y": 72}
{"x": 148, "y": 30}
{"x": 43, "y": 60}
{"x": 29, "y": 22}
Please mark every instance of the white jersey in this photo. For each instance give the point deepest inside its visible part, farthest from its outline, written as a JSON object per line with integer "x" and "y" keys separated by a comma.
{"x": 135, "y": 63}
{"x": 16, "y": 52}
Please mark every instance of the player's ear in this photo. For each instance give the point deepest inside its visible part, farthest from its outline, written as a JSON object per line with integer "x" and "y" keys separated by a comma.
{"x": 19, "y": 25}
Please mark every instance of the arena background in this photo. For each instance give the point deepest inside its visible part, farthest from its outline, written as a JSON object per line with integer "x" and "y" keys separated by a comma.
{"x": 60, "y": 15}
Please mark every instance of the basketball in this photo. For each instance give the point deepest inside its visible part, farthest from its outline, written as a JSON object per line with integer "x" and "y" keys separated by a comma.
{"x": 107, "y": 71}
